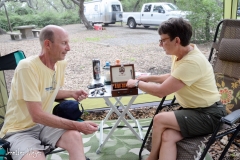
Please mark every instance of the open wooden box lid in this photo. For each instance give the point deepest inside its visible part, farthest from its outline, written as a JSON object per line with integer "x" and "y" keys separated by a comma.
{"x": 120, "y": 74}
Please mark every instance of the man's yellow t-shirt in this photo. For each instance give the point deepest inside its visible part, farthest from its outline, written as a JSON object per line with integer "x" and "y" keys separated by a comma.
{"x": 32, "y": 81}
{"x": 196, "y": 72}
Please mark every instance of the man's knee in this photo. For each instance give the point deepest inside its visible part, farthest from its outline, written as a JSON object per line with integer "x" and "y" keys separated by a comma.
{"x": 69, "y": 139}
{"x": 72, "y": 135}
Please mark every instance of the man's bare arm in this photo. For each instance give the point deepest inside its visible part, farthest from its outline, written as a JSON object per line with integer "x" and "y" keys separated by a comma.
{"x": 39, "y": 116}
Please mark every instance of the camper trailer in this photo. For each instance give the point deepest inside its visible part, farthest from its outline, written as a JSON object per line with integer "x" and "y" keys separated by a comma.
{"x": 103, "y": 11}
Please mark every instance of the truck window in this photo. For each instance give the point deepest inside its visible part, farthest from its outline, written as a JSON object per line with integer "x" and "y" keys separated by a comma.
{"x": 156, "y": 8}
{"x": 96, "y": 8}
{"x": 171, "y": 7}
{"x": 147, "y": 8}
{"x": 116, "y": 8}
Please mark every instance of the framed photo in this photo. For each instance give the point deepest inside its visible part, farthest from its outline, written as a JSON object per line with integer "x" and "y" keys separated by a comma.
{"x": 122, "y": 73}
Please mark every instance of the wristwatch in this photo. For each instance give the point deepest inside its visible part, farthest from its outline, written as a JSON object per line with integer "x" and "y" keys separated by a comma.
{"x": 136, "y": 84}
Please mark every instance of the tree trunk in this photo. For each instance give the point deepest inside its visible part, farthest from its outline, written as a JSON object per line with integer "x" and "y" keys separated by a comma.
{"x": 136, "y": 4}
{"x": 207, "y": 26}
{"x": 2, "y": 31}
{"x": 82, "y": 16}
{"x": 9, "y": 24}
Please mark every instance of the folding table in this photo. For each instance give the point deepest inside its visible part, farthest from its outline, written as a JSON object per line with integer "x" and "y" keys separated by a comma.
{"x": 113, "y": 108}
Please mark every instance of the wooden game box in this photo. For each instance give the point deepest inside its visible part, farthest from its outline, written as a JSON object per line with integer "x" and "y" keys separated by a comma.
{"x": 120, "y": 74}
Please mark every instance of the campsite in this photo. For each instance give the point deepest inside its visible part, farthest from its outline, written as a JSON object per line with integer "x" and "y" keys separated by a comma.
{"x": 115, "y": 41}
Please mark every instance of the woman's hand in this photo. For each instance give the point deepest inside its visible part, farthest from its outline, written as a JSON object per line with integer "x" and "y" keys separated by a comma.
{"x": 131, "y": 83}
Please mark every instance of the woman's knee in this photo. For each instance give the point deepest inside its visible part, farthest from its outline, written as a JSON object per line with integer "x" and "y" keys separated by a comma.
{"x": 171, "y": 135}
{"x": 159, "y": 119}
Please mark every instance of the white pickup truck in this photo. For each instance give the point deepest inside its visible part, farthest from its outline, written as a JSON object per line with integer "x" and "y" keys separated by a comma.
{"x": 152, "y": 14}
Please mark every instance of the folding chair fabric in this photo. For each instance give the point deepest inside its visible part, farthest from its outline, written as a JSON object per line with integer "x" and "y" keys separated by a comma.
{"x": 3, "y": 97}
{"x": 10, "y": 61}
{"x": 229, "y": 50}
{"x": 7, "y": 62}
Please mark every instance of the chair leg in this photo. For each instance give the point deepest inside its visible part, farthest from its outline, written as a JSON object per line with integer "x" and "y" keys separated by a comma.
{"x": 150, "y": 127}
{"x": 145, "y": 139}
{"x": 210, "y": 142}
{"x": 230, "y": 142}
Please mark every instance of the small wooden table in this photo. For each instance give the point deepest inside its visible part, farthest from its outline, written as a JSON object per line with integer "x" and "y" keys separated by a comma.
{"x": 26, "y": 31}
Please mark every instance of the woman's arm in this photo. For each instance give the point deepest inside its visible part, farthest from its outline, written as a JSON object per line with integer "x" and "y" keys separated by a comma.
{"x": 154, "y": 78}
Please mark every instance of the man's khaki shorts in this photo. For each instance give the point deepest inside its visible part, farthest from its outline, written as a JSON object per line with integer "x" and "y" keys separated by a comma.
{"x": 32, "y": 140}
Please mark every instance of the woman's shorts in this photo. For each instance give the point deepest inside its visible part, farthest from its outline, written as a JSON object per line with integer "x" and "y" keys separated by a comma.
{"x": 199, "y": 121}
{"x": 32, "y": 140}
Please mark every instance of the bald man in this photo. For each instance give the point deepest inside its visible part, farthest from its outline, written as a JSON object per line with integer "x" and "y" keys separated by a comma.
{"x": 29, "y": 124}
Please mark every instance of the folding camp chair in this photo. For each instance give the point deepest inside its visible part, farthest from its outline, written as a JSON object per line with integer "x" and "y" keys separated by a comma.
{"x": 7, "y": 62}
{"x": 225, "y": 57}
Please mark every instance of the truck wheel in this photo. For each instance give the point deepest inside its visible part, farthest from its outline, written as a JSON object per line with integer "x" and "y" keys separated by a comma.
{"x": 146, "y": 26}
{"x": 131, "y": 23}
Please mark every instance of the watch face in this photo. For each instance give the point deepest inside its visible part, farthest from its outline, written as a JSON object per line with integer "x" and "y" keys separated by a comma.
{"x": 136, "y": 84}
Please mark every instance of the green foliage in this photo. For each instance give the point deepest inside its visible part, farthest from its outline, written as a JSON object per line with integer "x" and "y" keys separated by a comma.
{"x": 23, "y": 11}
{"x": 39, "y": 19}
{"x": 3, "y": 23}
{"x": 204, "y": 17}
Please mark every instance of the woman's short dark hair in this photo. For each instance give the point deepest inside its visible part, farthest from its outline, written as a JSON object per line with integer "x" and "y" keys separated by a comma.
{"x": 177, "y": 27}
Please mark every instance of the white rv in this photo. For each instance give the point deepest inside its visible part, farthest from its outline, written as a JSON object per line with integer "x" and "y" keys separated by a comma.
{"x": 103, "y": 11}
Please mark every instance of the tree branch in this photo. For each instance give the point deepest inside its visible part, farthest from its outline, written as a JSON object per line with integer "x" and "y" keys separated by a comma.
{"x": 77, "y": 2}
{"x": 2, "y": 3}
{"x": 29, "y": 3}
{"x": 52, "y": 5}
{"x": 67, "y": 6}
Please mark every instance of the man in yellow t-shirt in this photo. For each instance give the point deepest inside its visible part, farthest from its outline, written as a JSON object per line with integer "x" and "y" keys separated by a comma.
{"x": 193, "y": 83}
{"x": 29, "y": 125}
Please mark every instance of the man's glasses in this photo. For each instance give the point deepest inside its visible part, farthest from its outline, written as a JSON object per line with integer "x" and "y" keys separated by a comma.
{"x": 163, "y": 40}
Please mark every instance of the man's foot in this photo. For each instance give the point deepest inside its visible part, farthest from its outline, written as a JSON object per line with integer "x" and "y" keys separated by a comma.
{"x": 87, "y": 158}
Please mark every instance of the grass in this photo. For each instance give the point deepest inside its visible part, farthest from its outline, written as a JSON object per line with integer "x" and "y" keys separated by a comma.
{"x": 93, "y": 39}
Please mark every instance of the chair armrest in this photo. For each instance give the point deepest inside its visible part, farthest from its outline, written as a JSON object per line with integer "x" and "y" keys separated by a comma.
{"x": 232, "y": 117}
{"x": 4, "y": 144}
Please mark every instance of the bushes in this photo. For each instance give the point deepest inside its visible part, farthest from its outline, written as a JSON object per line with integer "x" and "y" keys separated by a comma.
{"x": 204, "y": 17}
{"x": 39, "y": 19}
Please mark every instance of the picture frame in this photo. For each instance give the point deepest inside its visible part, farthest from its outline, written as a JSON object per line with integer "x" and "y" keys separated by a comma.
{"x": 122, "y": 73}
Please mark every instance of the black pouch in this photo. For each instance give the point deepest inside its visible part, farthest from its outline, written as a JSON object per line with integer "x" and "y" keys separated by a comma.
{"x": 69, "y": 109}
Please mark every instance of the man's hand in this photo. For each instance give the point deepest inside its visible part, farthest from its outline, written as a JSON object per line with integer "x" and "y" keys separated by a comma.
{"x": 79, "y": 95}
{"x": 87, "y": 127}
